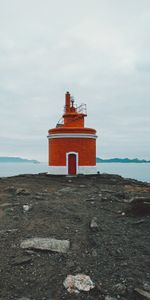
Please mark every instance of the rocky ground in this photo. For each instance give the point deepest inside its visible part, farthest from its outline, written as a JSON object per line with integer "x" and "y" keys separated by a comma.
{"x": 104, "y": 218}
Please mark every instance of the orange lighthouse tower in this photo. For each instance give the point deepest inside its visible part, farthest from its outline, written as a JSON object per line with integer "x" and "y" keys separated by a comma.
{"x": 71, "y": 146}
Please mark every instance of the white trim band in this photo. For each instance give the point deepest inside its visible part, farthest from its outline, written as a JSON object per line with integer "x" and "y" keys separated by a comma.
{"x": 63, "y": 170}
{"x": 73, "y": 135}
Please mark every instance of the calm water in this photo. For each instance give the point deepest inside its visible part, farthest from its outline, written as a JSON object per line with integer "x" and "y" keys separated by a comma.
{"x": 135, "y": 171}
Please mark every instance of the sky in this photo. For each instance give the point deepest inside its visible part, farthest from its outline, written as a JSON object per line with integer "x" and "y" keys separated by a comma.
{"x": 99, "y": 50}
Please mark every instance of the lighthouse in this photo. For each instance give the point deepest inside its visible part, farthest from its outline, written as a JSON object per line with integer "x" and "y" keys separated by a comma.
{"x": 71, "y": 145}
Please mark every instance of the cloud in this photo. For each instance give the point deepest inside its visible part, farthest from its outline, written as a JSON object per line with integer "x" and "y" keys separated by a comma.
{"x": 98, "y": 50}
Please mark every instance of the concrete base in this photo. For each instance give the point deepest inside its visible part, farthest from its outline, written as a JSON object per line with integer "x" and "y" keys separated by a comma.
{"x": 53, "y": 170}
{"x": 59, "y": 170}
{"x": 87, "y": 170}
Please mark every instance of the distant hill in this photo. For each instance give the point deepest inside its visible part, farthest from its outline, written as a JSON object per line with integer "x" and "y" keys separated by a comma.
{"x": 7, "y": 159}
{"x": 121, "y": 160}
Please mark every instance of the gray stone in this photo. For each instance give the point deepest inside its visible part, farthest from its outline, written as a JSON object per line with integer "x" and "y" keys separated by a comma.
{"x": 120, "y": 289}
{"x": 107, "y": 191}
{"x": 94, "y": 253}
{"x": 77, "y": 283}
{"x": 6, "y": 231}
{"x": 21, "y": 191}
{"x": 93, "y": 224}
{"x": 146, "y": 287}
{"x": 49, "y": 244}
{"x": 70, "y": 263}
{"x": 140, "y": 292}
{"x": 6, "y": 204}
{"x": 26, "y": 207}
{"x": 21, "y": 260}
{"x": 30, "y": 252}
{"x": 42, "y": 194}
{"x": 66, "y": 189}
{"x": 110, "y": 298}
{"x": 23, "y": 298}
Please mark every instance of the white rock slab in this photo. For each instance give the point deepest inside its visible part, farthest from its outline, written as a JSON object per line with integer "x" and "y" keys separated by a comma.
{"x": 49, "y": 244}
{"x": 77, "y": 283}
{"x": 26, "y": 207}
{"x": 143, "y": 293}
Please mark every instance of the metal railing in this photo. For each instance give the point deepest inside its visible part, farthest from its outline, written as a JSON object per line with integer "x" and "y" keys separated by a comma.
{"x": 81, "y": 109}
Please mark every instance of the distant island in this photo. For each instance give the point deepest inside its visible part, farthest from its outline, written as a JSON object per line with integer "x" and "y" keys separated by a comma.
{"x": 121, "y": 160}
{"x": 7, "y": 159}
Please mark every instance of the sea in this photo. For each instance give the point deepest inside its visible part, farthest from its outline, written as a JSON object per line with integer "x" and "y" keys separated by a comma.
{"x": 139, "y": 171}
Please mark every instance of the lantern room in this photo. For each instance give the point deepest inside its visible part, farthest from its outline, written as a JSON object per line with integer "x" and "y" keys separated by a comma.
{"x": 71, "y": 145}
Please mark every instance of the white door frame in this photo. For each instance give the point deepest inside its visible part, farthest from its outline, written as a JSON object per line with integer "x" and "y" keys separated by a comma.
{"x": 67, "y": 160}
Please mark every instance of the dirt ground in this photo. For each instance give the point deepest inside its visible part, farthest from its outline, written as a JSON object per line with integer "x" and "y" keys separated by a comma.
{"x": 115, "y": 253}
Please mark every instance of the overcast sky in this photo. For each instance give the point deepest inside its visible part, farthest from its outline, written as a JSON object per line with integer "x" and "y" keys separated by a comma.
{"x": 99, "y": 50}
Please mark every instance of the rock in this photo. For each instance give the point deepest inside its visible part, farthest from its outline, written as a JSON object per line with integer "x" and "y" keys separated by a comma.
{"x": 30, "y": 252}
{"x": 119, "y": 251}
{"x": 67, "y": 189}
{"x": 138, "y": 222}
{"x": 21, "y": 260}
{"x": 124, "y": 264}
{"x": 146, "y": 287}
{"x": 42, "y": 194}
{"x": 77, "y": 283}
{"x": 120, "y": 289}
{"x": 105, "y": 198}
{"x": 123, "y": 214}
{"x": 49, "y": 244}
{"x": 70, "y": 263}
{"x": 23, "y": 298}
{"x": 37, "y": 197}
{"x": 93, "y": 224}
{"x": 6, "y": 204}
{"x": 5, "y": 231}
{"x": 94, "y": 253}
{"x": 110, "y": 298}
{"x": 21, "y": 191}
{"x": 107, "y": 191}
{"x": 121, "y": 195}
{"x": 146, "y": 295}
{"x": 26, "y": 207}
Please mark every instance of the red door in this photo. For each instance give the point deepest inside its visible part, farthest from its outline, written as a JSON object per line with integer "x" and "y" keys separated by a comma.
{"x": 72, "y": 164}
